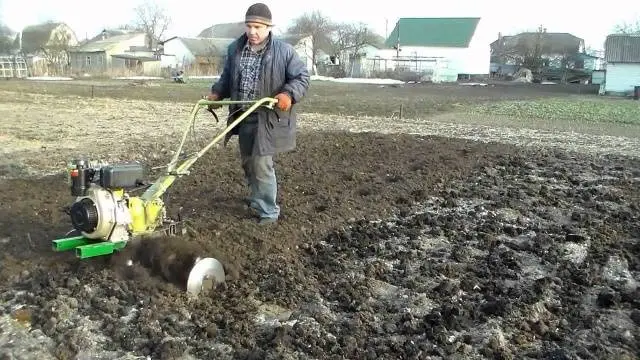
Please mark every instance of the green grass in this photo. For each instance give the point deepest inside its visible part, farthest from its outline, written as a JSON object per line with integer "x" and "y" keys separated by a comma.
{"x": 572, "y": 109}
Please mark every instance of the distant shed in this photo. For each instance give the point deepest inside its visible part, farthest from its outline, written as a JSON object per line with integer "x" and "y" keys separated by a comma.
{"x": 622, "y": 55}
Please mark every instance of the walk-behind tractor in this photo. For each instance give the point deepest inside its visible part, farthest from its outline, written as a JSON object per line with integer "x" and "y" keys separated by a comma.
{"x": 105, "y": 216}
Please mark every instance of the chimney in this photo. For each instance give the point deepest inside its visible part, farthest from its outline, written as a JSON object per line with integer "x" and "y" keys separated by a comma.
{"x": 104, "y": 34}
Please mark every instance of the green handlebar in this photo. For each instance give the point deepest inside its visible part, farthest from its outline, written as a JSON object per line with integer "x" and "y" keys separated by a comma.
{"x": 271, "y": 102}
{"x": 174, "y": 169}
{"x": 255, "y": 104}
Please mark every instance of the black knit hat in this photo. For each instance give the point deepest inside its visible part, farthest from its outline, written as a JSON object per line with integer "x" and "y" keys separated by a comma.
{"x": 259, "y": 13}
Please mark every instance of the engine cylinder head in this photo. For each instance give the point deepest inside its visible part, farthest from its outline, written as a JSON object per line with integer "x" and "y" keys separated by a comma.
{"x": 80, "y": 176}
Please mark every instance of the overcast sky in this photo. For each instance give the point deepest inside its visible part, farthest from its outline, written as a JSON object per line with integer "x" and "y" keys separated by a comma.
{"x": 189, "y": 17}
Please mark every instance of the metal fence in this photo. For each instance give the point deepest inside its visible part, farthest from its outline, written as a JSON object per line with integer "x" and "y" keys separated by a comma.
{"x": 13, "y": 67}
{"x": 413, "y": 64}
{"x": 416, "y": 68}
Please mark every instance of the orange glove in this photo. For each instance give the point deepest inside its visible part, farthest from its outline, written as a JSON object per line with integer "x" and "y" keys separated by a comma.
{"x": 284, "y": 101}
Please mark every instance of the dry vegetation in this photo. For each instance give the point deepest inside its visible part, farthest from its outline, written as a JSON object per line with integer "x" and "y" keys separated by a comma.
{"x": 47, "y": 123}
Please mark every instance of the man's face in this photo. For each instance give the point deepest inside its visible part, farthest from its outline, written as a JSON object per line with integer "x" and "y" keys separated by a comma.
{"x": 256, "y": 32}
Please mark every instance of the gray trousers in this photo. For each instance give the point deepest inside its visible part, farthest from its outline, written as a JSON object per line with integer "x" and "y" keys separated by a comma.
{"x": 259, "y": 174}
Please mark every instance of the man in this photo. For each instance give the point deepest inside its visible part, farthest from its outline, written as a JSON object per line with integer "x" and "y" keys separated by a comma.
{"x": 260, "y": 66}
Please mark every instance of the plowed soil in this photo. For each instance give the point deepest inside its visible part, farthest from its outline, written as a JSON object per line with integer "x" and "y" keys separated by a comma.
{"x": 482, "y": 251}
{"x": 391, "y": 246}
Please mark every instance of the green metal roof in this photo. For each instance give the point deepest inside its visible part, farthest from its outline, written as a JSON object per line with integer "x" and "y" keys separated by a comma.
{"x": 435, "y": 32}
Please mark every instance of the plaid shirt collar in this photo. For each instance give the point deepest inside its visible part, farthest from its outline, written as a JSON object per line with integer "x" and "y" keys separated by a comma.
{"x": 258, "y": 49}
{"x": 250, "y": 69}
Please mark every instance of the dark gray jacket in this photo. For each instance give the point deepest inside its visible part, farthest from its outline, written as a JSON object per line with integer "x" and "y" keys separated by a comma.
{"x": 282, "y": 71}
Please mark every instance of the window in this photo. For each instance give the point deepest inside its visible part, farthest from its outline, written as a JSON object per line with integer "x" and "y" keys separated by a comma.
{"x": 87, "y": 61}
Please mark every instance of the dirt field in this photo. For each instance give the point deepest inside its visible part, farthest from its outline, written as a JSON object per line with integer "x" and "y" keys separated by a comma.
{"x": 493, "y": 222}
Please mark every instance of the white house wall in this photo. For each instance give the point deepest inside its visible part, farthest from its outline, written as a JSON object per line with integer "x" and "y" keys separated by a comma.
{"x": 304, "y": 48}
{"x": 123, "y": 47}
{"x": 463, "y": 60}
{"x": 478, "y": 60}
{"x": 622, "y": 78}
{"x": 63, "y": 35}
{"x": 479, "y": 50}
{"x": 97, "y": 60}
{"x": 177, "y": 54}
{"x": 168, "y": 61}
{"x": 362, "y": 67}
{"x": 474, "y": 60}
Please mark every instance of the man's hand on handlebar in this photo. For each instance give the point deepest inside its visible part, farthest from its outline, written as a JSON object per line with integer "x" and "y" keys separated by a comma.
{"x": 210, "y": 108}
{"x": 213, "y": 97}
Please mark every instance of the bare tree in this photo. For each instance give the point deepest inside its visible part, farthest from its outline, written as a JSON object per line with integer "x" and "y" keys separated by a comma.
{"x": 131, "y": 27}
{"x": 531, "y": 48}
{"x": 341, "y": 37}
{"x": 348, "y": 40}
{"x": 626, "y": 28}
{"x": 7, "y": 43}
{"x": 152, "y": 20}
{"x": 524, "y": 49}
{"x": 212, "y": 57}
{"x": 504, "y": 51}
{"x": 316, "y": 25}
{"x": 56, "y": 53}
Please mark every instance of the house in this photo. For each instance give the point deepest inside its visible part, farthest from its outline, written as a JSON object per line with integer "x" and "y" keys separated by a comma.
{"x": 203, "y": 54}
{"x": 444, "y": 48}
{"x": 550, "y": 56}
{"x": 351, "y": 62}
{"x": 555, "y": 50}
{"x": 196, "y": 56}
{"x": 226, "y": 30}
{"x": 46, "y": 46}
{"x": 107, "y": 33}
{"x": 553, "y": 47}
{"x": 120, "y": 54}
{"x": 586, "y": 61}
{"x": 303, "y": 45}
{"x": 622, "y": 55}
{"x": 363, "y": 62}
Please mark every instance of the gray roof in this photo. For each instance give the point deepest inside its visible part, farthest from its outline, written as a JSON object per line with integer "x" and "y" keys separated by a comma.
{"x": 622, "y": 48}
{"x": 113, "y": 32}
{"x": 206, "y": 46}
{"x": 7, "y": 31}
{"x": 134, "y": 57}
{"x": 103, "y": 45}
{"x": 35, "y": 37}
{"x": 226, "y": 30}
{"x": 552, "y": 43}
{"x": 291, "y": 39}
{"x": 139, "y": 48}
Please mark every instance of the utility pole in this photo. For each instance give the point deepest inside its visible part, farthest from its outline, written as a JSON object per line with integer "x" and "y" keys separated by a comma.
{"x": 398, "y": 47}
{"x": 386, "y": 28}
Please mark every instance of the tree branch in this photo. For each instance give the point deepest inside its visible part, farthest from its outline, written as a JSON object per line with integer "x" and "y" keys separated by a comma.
{"x": 152, "y": 20}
